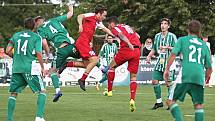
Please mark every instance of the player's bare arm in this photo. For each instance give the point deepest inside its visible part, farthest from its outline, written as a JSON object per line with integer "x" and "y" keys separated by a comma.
{"x": 70, "y": 13}
{"x": 148, "y": 58}
{"x": 46, "y": 48}
{"x": 106, "y": 30}
{"x": 166, "y": 72}
{"x": 9, "y": 51}
{"x": 124, "y": 38}
{"x": 80, "y": 20}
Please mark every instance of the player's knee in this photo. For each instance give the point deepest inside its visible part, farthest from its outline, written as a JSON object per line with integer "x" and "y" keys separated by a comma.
{"x": 170, "y": 102}
{"x": 198, "y": 106}
{"x": 14, "y": 94}
{"x": 133, "y": 76}
{"x": 43, "y": 91}
{"x": 154, "y": 82}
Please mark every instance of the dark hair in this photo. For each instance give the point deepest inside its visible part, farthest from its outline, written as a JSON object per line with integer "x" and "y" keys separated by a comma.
{"x": 37, "y": 18}
{"x": 100, "y": 9}
{"x": 29, "y": 23}
{"x": 166, "y": 19}
{"x": 194, "y": 27}
{"x": 113, "y": 19}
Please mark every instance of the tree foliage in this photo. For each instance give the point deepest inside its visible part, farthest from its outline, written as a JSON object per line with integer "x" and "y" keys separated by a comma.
{"x": 143, "y": 15}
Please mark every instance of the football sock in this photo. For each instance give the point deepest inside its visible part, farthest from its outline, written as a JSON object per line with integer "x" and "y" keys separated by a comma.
{"x": 133, "y": 88}
{"x": 176, "y": 113}
{"x": 84, "y": 76}
{"x": 199, "y": 115}
{"x": 110, "y": 76}
{"x": 157, "y": 91}
{"x": 11, "y": 107}
{"x": 55, "y": 80}
{"x": 41, "y": 100}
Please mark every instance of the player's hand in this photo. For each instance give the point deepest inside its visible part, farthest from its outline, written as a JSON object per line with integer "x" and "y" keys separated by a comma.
{"x": 130, "y": 46}
{"x": 166, "y": 76}
{"x": 80, "y": 29}
{"x": 44, "y": 72}
{"x": 148, "y": 60}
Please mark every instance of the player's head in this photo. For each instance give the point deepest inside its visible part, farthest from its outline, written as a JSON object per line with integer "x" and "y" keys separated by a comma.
{"x": 39, "y": 21}
{"x": 101, "y": 12}
{"x": 109, "y": 39}
{"x": 112, "y": 22}
{"x": 165, "y": 24}
{"x": 194, "y": 27}
{"x": 29, "y": 23}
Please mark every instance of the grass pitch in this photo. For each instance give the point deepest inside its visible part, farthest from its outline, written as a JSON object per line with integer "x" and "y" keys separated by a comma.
{"x": 76, "y": 105}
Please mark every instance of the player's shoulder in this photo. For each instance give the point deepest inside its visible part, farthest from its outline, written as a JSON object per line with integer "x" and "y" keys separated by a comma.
{"x": 158, "y": 34}
{"x": 171, "y": 34}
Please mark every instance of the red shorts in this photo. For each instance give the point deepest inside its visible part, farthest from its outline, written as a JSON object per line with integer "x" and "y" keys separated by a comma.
{"x": 83, "y": 47}
{"x": 126, "y": 54}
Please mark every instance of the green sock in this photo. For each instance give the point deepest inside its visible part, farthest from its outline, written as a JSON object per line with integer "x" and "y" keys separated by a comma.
{"x": 55, "y": 80}
{"x": 157, "y": 91}
{"x": 199, "y": 115}
{"x": 176, "y": 113}
{"x": 41, "y": 100}
{"x": 104, "y": 78}
{"x": 11, "y": 107}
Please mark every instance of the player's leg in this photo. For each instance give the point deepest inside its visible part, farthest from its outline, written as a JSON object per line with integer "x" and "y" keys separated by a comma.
{"x": 179, "y": 92}
{"x": 92, "y": 61}
{"x": 111, "y": 76}
{"x": 157, "y": 89}
{"x": 17, "y": 84}
{"x": 36, "y": 84}
{"x": 197, "y": 95}
{"x": 133, "y": 88}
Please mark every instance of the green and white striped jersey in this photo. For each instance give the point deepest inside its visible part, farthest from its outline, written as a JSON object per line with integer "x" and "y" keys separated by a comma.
{"x": 160, "y": 40}
{"x": 107, "y": 52}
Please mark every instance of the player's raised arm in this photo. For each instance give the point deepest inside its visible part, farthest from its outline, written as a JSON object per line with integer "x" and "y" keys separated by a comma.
{"x": 70, "y": 12}
{"x": 80, "y": 21}
{"x": 124, "y": 38}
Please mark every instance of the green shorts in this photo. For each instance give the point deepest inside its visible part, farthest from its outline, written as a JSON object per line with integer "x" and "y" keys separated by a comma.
{"x": 157, "y": 75}
{"x": 20, "y": 80}
{"x": 195, "y": 91}
{"x": 63, "y": 53}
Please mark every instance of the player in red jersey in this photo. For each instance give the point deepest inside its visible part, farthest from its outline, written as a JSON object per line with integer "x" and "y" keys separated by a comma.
{"x": 87, "y": 25}
{"x": 129, "y": 52}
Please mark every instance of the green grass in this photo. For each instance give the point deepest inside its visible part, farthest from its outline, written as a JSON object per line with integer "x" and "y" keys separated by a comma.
{"x": 76, "y": 105}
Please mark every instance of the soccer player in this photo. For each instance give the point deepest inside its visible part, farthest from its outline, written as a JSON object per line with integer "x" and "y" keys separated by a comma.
{"x": 129, "y": 52}
{"x": 53, "y": 31}
{"x": 196, "y": 57}
{"x": 106, "y": 54}
{"x": 87, "y": 25}
{"x": 27, "y": 47}
{"x": 163, "y": 44}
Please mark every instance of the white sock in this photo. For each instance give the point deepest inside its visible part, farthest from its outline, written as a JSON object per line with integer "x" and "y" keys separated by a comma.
{"x": 159, "y": 100}
{"x": 57, "y": 90}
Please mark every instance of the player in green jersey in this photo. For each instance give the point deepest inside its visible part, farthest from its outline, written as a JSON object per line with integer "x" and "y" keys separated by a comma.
{"x": 196, "y": 57}
{"x": 27, "y": 47}
{"x": 53, "y": 31}
{"x": 106, "y": 54}
{"x": 163, "y": 44}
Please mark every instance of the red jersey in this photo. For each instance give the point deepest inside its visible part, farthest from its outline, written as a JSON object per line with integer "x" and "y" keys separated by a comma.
{"x": 129, "y": 33}
{"x": 90, "y": 23}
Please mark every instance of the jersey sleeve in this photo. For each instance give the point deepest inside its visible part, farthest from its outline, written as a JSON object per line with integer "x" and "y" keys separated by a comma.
{"x": 42, "y": 33}
{"x": 174, "y": 40}
{"x": 101, "y": 52}
{"x": 61, "y": 18}
{"x": 100, "y": 25}
{"x": 155, "y": 44}
{"x": 177, "y": 48}
{"x": 11, "y": 41}
{"x": 207, "y": 58}
{"x": 38, "y": 44}
{"x": 116, "y": 31}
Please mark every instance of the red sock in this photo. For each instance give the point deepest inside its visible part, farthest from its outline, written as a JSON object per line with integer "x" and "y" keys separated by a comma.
{"x": 84, "y": 76}
{"x": 133, "y": 88}
{"x": 70, "y": 64}
{"x": 110, "y": 76}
